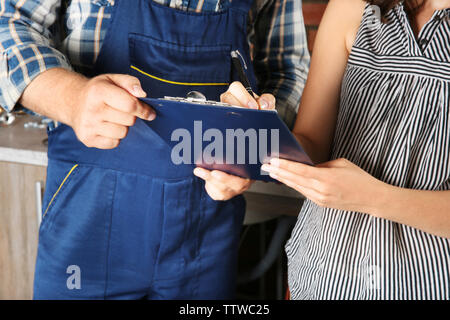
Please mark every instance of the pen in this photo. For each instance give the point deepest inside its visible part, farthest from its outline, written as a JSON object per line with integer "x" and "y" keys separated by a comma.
{"x": 241, "y": 72}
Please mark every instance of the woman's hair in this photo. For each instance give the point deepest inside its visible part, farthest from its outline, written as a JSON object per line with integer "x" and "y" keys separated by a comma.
{"x": 411, "y": 6}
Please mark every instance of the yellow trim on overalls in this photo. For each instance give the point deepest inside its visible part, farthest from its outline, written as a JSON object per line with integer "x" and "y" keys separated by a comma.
{"x": 181, "y": 83}
{"x": 60, "y": 186}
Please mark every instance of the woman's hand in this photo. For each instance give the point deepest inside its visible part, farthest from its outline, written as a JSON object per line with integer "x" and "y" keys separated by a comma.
{"x": 222, "y": 186}
{"x": 337, "y": 184}
{"x": 237, "y": 95}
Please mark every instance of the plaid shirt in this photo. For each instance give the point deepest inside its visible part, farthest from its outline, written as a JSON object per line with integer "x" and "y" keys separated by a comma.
{"x": 37, "y": 35}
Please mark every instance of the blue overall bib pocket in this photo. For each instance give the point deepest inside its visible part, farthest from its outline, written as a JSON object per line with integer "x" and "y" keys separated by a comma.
{"x": 173, "y": 69}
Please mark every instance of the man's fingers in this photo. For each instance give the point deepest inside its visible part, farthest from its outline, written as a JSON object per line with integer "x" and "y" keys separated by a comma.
{"x": 238, "y": 95}
{"x": 266, "y": 101}
{"x": 119, "y": 117}
{"x": 202, "y": 173}
{"x": 144, "y": 111}
{"x": 109, "y": 104}
{"x": 129, "y": 83}
{"x": 215, "y": 193}
{"x": 111, "y": 130}
{"x": 121, "y": 100}
{"x": 235, "y": 183}
{"x": 227, "y": 97}
{"x": 104, "y": 142}
{"x": 213, "y": 183}
{"x": 241, "y": 94}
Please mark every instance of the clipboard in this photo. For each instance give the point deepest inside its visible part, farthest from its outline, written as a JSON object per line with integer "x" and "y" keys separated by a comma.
{"x": 193, "y": 130}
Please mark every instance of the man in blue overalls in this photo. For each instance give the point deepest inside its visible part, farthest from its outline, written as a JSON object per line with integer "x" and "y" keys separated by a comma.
{"x": 120, "y": 220}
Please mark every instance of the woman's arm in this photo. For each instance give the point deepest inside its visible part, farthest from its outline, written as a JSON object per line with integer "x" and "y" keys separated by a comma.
{"x": 340, "y": 184}
{"x": 317, "y": 114}
{"x": 428, "y": 211}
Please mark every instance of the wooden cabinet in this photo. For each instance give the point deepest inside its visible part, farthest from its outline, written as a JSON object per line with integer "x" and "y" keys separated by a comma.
{"x": 19, "y": 202}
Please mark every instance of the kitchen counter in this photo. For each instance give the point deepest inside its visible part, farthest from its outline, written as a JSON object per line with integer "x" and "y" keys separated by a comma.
{"x": 23, "y": 145}
{"x": 265, "y": 201}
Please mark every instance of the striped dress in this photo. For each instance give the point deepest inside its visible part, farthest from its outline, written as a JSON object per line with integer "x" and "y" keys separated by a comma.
{"x": 393, "y": 122}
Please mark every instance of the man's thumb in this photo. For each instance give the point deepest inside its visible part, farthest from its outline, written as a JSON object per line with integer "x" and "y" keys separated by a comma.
{"x": 128, "y": 83}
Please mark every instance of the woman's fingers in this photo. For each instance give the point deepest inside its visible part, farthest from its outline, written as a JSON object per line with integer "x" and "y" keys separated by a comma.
{"x": 297, "y": 167}
{"x": 310, "y": 188}
{"x": 292, "y": 177}
{"x": 336, "y": 184}
{"x": 309, "y": 193}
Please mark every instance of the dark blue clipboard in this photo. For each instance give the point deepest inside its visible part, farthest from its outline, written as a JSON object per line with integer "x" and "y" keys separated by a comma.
{"x": 187, "y": 116}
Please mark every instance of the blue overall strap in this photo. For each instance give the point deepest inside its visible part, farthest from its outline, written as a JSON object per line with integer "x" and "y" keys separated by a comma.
{"x": 241, "y": 5}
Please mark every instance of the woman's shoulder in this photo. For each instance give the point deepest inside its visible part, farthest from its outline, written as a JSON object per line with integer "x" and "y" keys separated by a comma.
{"x": 348, "y": 15}
{"x": 350, "y": 7}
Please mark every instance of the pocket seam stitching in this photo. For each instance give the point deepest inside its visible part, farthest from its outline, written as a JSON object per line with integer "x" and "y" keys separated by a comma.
{"x": 179, "y": 83}
{"x": 71, "y": 173}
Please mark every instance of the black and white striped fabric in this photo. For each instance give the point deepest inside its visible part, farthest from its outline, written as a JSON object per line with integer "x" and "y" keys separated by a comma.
{"x": 394, "y": 123}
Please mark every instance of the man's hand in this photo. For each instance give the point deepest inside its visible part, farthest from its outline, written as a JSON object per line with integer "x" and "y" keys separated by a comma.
{"x": 238, "y": 96}
{"x": 106, "y": 106}
{"x": 100, "y": 109}
{"x": 222, "y": 186}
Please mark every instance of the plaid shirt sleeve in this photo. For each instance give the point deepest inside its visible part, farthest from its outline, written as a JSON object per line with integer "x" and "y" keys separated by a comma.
{"x": 26, "y": 46}
{"x": 280, "y": 51}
